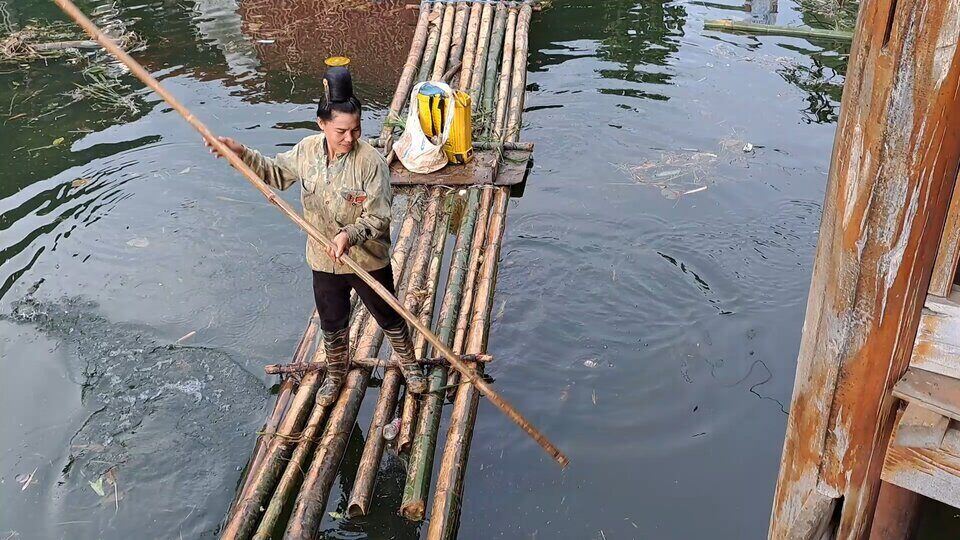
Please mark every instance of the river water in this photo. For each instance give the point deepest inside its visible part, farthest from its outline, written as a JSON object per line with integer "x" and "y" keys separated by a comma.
{"x": 647, "y": 315}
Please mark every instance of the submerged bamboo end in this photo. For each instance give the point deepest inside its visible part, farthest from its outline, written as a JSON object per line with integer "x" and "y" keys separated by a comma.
{"x": 413, "y": 511}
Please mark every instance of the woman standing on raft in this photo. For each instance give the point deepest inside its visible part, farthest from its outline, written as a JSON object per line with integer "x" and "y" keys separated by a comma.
{"x": 346, "y": 194}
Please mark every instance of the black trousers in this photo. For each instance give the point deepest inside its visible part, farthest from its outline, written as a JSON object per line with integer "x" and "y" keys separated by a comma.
{"x": 332, "y": 294}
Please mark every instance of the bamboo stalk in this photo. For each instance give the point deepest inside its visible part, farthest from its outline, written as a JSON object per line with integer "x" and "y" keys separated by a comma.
{"x": 363, "y": 484}
{"x": 470, "y": 46}
{"x": 506, "y": 70}
{"x": 493, "y": 62}
{"x": 411, "y": 402}
{"x": 433, "y": 40}
{"x": 459, "y": 38}
{"x": 727, "y": 25}
{"x": 443, "y": 49}
{"x": 473, "y": 267}
{"x": 521, "y": 44}
{"x": 293, "y": 474}
{"x": 410, "y": 67}
{"x": 283, "y": 400}
{"x": 480, "y": 56}
{"x": 243, "y": 521}
{"x": 221, "y": 149}
{"x": 420, "y": 465}
{"x": 445, "y": 512}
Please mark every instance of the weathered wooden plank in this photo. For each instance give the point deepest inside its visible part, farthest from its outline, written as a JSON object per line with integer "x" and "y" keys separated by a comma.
{"x": 894, "y": 164}
{"x": 945, "y": 269}
{"x": 937, "y": 346}
{"x": 932, "y": 473}
{"x": 939, "y": 393}
{"x": 919, "y": 427}
{"x": 897, "y": 514}
{"x": 513, "y": 169}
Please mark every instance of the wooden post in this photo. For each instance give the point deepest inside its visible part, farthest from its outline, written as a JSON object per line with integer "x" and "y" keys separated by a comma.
{"x": 891, "y": 177}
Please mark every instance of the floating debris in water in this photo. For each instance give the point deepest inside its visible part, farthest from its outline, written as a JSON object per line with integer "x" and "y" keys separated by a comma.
{"x": 138, "y": 242}
{"x": 590, "y": 363}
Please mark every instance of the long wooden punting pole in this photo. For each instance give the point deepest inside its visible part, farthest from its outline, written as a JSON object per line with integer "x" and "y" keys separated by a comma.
{"x": 308, "y": 508}
{"x": 420, "y": 466}
{"x": 447, "y": 497}
{"x": 506, "y": 71}
{"x": 480, "y": 55}
{"x": 470, "y": 46}
{"x": 137, "y": 70}
{"x": 410, "y": 68}
{"x": 443, "y": 49}
{"x": 293, "y": 474}
{"x": 365, "y": 479}
{"x": 894, "y": 165}
{"x": 519, "y": 77}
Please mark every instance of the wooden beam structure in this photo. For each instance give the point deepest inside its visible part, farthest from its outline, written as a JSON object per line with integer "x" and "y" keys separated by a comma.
{"x": 892, "y": 174}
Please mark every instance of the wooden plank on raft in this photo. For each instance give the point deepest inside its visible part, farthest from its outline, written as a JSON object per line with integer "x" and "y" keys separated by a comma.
{"x": 513, "y": 170}
{"x": 891, "y": 178}
{"x": 934, "y": 473}
{"x": 945, "y": 268}
{"x": 937, "y": 347}
{"x": 936, "y": 392}
{"x": 920, "y": 427}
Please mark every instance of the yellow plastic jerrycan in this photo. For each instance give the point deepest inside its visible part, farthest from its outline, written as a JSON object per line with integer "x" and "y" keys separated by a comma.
{"x": 431, "y": 107}
{"x": 459, "y": 147}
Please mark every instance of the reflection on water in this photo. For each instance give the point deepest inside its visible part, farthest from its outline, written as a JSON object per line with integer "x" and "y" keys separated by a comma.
{"x": 649, "y": 327}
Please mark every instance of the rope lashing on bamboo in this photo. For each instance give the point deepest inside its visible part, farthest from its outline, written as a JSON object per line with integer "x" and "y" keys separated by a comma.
{"x": 138, "y": 71}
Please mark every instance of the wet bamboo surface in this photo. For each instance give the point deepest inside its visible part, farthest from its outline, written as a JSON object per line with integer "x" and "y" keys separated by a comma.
{"x": 446, "y": 256}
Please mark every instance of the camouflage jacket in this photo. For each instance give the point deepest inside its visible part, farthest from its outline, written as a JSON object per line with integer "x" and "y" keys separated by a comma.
{"x": 352, "y": 194}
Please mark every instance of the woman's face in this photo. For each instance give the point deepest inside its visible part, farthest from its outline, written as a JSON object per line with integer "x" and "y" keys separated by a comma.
{"x": 342, "y": 131}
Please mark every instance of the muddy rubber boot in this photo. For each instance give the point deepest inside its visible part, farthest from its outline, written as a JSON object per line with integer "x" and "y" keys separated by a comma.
{"x": 337, "y": 346}
{"x": 402, "y": 345}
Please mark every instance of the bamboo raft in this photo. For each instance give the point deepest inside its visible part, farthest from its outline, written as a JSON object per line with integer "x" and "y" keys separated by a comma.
{"x": 285, "y": 488}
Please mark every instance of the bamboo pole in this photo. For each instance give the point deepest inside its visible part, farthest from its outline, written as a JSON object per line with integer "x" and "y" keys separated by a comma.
{"x": 406, "y": 77}
{"x": 521, "y": 44}
{"x": 243, "y": 521}
{"x": 470, "y": 46}
{"x": 727, "y": 25}
{"x": 473, "y": 267}
{"x": 293, "y": 474}
{"x": 138, "y": 71}
{"x": 411, "y": 402}
{"x": 420, "y": 465}
{"x": 459, "y": 39}
{"x": 433, "y": 40}
{"x": 283, "y": 400}
{"x": 506, "y": 69}
{"x": 445, "y": 512}
{"x": 308, "y": 508}
{"x": 443, "y": 49}
{"x": 493, "y": 62}
{"x": 480, "y": 56}
{"x": 366, "y": 477}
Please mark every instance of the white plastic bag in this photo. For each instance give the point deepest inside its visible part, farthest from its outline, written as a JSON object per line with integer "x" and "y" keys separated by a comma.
{"x": 414, "y": 149}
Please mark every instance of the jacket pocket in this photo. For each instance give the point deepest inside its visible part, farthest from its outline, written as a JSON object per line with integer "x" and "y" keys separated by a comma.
{"x": 349, "y": 205}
